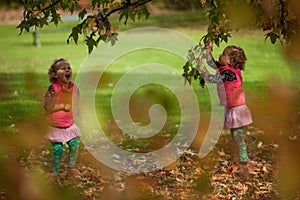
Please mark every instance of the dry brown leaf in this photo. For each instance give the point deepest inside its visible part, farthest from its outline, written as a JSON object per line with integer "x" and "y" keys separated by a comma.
{"x": 221, "y": 153}
{"x": 217, "y": 178}
{"x": 259, "y": 145}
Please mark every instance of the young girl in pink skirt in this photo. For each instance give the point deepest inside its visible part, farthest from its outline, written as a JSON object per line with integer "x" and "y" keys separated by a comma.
{"x": 60, "y": 104}
{"x": 228, "y": 78}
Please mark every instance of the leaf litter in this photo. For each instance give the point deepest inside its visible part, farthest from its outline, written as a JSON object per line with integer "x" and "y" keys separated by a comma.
{"x": 216, "y": 176}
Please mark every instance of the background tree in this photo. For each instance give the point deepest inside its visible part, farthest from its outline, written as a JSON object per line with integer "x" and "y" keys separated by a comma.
{"x": 11, "y": 3}
{"x": 277, "y": 18}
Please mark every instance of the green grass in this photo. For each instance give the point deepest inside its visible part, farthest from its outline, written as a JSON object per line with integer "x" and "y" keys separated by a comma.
{"x": 24, "y": 67}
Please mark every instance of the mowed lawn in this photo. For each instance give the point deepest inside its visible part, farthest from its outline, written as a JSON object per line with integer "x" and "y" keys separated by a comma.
{"x": 24, "y": 67}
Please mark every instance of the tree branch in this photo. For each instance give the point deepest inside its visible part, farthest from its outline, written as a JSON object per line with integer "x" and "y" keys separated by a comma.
{"x": 282, "y": 11}
{"x": 55, "y": 2}
{"x": 130, "y": 5}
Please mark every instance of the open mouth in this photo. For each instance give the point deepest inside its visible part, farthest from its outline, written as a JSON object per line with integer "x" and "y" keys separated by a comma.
{"x": 68, "y": 76}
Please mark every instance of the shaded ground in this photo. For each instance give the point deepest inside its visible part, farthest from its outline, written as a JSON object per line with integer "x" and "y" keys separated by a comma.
{"x": 214, "y": 177}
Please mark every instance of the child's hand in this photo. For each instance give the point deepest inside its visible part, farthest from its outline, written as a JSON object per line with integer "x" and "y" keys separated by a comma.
{"x": 61, "y": 106}
{"x": 67, "y": 107}
{"x": 208, "y": 45}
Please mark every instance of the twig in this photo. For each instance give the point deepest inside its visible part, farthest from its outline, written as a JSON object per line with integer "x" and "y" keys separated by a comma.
{"x": 282, "y": 11}
{"x": 130, "y": 5}
{"x": 56, "y": 2}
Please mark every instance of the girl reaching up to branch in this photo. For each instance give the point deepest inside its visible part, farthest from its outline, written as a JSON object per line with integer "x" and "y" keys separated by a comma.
{"x": 228, "y": 78}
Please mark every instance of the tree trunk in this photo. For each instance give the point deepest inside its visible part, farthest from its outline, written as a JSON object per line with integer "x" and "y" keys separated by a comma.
{"x": 36, "y": 39}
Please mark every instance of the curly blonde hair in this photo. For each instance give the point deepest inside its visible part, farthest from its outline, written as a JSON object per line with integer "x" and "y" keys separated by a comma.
{"x": 53, "y": 69}
{"x": 237, "y": 57}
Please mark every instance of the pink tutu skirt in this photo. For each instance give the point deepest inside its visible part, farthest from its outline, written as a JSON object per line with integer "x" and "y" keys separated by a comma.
{"x": 63, "y": 134}
{"x": 236, "y": 117}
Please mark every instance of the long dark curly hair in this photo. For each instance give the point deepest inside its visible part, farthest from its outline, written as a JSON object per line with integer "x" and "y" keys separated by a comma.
{"x": 53, "y": 69}
{"x": 237, "y": 57}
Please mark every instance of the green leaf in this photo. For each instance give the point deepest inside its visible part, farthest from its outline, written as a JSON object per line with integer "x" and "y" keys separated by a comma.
{"x": 215, "y": 3}
{"x": 132, "y": 15}
{"x": 75, "y": 31}
{"x": 124, "y": 13}
{"x": 202, "y": 82}
{"x": 56, "y": 19}
{"x": 145, "y": 11}
{"x": 217, "y": 41}
{"x": 186, "y": 66}
{"x": 225, "y": 39}
{"x": 72, "y": 7}
{"x": 34, "y": 22}
{"x": 23, "y": 25}
{"x": 82, "y": 13}
{"x": 273, "y": 37}
{"x": 90, "y": 42}
{"x": 43, "y": 21}
{"x": 112, "y": 39}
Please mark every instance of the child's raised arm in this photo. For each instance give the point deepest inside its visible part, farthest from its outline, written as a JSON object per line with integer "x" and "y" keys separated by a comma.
{"x": 208, "y": 47}
{"x": 209, "y": 57}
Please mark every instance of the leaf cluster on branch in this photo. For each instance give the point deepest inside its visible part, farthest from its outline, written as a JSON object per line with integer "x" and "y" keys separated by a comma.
{"x": 277, "y": 18}
{"x": 191, "y": 69}
{"x": 38, "y": 13}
